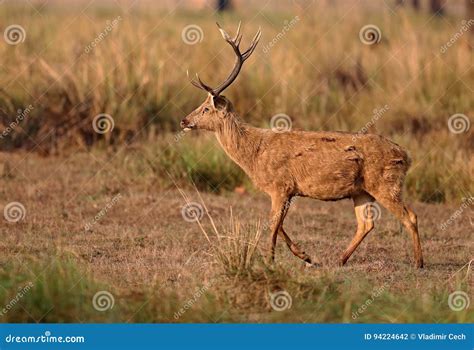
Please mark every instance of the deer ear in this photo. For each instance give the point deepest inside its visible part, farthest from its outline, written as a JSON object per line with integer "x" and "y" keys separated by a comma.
{"x": 221, "y": 103}
{"x": 223, "y": 106}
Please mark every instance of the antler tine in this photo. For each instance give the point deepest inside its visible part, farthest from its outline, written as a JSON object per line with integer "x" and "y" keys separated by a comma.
{"x": 253, "y": 45}
{"x": 199, "y": 84}
{"x": 236, "y": 37}
{"x": 226, "y": 36}
{"x": 195, "y": 83}
{"x": 237, "y": 41}
{"x": 223, "y": 32}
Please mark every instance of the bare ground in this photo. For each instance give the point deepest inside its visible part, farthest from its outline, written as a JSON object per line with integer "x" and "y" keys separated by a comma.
{"x": 142, "y": 239}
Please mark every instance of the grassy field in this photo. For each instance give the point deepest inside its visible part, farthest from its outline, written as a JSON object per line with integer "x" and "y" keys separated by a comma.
{"x": 99, "y": 227}
{"x": 102, "y": 236}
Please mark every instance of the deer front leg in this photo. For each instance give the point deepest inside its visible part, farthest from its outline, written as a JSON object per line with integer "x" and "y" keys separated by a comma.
{"x": 277, "y": 215}
{"x": 294, "y": 248}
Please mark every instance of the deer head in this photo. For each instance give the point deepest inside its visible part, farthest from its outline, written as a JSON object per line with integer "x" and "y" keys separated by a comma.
{"x": 212, "y": 112}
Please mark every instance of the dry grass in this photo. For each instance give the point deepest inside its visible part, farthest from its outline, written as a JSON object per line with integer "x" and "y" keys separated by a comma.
{"x": 154, "y": 262}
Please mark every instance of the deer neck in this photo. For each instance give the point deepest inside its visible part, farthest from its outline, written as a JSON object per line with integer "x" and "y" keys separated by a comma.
{"x": 240, "y": 141}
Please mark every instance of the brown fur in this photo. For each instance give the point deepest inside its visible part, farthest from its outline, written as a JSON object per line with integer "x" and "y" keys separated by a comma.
{"x": 322, "y": 165}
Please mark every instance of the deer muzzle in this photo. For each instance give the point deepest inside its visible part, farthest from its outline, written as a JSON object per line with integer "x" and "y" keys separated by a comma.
{"x": 186, "y": 125}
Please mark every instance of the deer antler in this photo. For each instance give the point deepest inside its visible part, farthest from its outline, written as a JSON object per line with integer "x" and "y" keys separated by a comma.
{"x": 239, "y": 61}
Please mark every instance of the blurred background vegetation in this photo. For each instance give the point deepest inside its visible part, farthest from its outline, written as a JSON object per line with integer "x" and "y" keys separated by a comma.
{"x": 318, "y": 72}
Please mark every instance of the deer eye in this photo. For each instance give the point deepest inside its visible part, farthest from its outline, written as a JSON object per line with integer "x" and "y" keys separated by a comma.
{"x": 205, "y": 110}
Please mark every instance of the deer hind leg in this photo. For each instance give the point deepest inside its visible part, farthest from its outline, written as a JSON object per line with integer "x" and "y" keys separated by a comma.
{"x": 408, "y": 219}
{"x": 365, "y": 223}
{"x": 294, "y": 248}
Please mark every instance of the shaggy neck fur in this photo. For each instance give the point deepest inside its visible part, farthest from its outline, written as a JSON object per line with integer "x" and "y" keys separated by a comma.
{"x": 240, "y": 141}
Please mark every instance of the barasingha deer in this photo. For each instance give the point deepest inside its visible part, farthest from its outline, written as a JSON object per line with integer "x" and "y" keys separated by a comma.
{"x": 328, "y": 166}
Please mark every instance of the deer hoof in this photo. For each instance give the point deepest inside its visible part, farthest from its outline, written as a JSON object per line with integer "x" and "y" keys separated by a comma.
{"x": 313, "y": 264}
